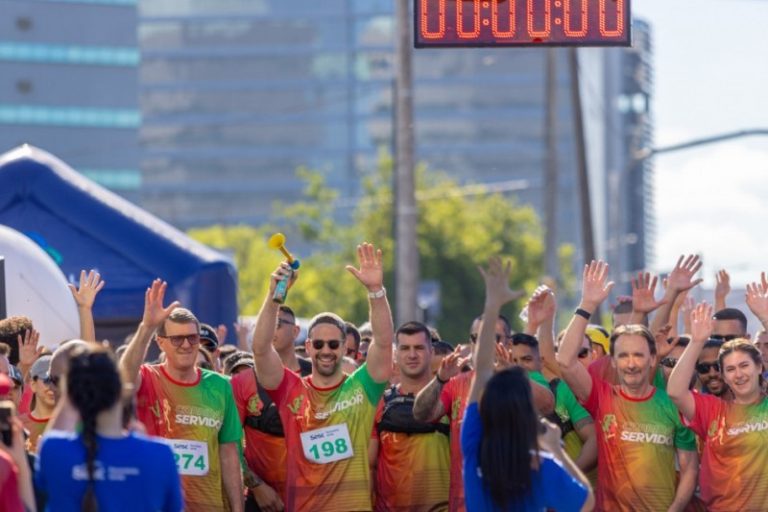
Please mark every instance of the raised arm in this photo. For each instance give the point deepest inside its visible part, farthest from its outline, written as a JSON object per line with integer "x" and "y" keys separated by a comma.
{"x": 595, "y": 289}
{"x": 427, "y": 406}
{"x": 90, "y": 285}
{"x": 679, "y": 280}
{"x": 643, "y": 300}
{"x": 497, "y": 293}
{"x": 680, "y": 379}
{"x": 757, "y": 300}
{"x": 371, "y": 275}
{"x": 154, "y": 316}
{"x": 722, "y": 288}
{"x": 541, "y": 323}
{"x": 267, "y": 362}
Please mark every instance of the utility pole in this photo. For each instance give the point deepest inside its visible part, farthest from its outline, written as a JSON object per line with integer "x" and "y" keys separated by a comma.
{"x": 551, "y": 172}
{"x": 587, "y": 234}
{"x": 406, "y": 214}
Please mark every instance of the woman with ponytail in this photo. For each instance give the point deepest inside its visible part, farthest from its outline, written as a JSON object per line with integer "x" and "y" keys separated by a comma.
{"x": 103, "y": 468}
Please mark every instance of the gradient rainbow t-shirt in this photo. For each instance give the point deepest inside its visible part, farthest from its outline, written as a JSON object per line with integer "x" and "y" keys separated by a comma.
{"x": 317, "y": 422}
{"x": 196, "y": 418}
{"x": 636, "y": 439}
{"x": 264, "y": 453}
{"x": 734, "y": 459}
{"x": 412, "y": 471}
{"x": 454, "y": 397}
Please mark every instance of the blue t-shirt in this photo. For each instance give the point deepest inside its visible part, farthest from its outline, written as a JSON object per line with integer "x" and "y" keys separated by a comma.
{"x": 552, "y": 486}
{"x": 132, "y": 473}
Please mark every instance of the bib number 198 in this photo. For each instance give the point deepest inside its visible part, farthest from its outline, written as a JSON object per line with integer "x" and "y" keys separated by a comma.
{"x": 327, "y": 448}
{"x": 327, "y": 444}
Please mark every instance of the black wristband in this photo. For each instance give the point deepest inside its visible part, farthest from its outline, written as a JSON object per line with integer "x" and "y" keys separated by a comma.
{"x": 441, "y": 381}
{"x": 583, "y": 313}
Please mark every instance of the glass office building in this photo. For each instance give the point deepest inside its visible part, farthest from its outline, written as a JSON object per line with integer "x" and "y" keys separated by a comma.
{"x": 69, "y": 85}
{"x": 237, "y": 94}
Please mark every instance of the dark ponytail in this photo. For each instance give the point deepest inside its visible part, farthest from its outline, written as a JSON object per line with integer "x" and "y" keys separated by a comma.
{"x": 93, "y": 386}
{"x": 510, "y": 437}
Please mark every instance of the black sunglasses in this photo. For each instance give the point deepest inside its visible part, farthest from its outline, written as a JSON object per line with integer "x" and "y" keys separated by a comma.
{"x": 723, "y": 337}
{"x": 669, "y": 362}
{"x": 332, "y": 344}
{"x": 704, "y": 367}
{"x": 584, "y": 352}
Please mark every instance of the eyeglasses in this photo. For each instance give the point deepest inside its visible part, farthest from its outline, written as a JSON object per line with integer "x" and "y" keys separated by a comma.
{"x": 177, "y": 341}
{"x": 473, "y": 338}
{"x": 723, "y": 337}
{"x": 281, "y": 322}
{"x": 584, "y": 352}
{"x": 669, "y": 362}
{"x": 332, "y": 344}
{"x": 705, "y": 367}
{"x": 49, "y": 380}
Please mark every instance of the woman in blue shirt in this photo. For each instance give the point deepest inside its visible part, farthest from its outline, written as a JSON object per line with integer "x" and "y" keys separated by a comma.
{"x": 103, "y": 468}
{"x": 512, "y": 460}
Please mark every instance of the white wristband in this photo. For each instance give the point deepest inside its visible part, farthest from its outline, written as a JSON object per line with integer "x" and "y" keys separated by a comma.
{"x": 377, "y": 294}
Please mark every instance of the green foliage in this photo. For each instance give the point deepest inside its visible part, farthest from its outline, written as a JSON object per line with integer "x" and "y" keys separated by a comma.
{"x": 457, "y": 231}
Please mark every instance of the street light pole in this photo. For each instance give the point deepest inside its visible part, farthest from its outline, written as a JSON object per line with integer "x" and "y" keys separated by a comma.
{"x": 406, "y": 214}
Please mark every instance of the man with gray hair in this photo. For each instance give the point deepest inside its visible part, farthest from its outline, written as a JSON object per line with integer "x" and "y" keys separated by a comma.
{"x": 192, "y": 408}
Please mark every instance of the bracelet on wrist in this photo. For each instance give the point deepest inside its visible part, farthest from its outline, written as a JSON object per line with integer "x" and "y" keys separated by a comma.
{"x": 439, "y": 380}
{"x": 377, "y": 294}
{"x": 583, "y": 313}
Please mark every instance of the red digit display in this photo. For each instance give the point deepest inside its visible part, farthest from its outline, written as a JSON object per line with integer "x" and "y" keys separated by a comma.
{"x": 445, "y": 23}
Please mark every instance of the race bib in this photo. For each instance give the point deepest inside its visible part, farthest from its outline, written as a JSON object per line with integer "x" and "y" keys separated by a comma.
{"x": 191, "y": 456}
{"x": 327, "y": 444}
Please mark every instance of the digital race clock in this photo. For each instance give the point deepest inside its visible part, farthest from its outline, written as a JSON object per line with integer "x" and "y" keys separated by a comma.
{"x": 521, "y": 23}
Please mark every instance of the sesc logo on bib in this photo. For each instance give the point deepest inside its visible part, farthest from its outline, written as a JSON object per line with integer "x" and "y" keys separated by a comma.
{"x": 191, "y": 456}
{"x": 328, "y": 444}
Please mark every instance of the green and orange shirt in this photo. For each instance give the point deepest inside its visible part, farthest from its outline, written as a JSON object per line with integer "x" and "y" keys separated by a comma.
{"x": 454, "y": 397}
{"x": 35, "y": 427}
{"x": 195, "y": 419}
{"x": 636, "y": 439}
{"x": 327, "y": 431}
{"x": 405, "y": 454}
{"x": 735, "y": 454}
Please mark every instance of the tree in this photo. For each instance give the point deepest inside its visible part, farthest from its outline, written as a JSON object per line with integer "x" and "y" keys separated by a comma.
{"x": 457, "y": 232}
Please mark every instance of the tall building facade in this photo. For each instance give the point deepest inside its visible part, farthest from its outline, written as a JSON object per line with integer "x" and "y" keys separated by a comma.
{"x": 237, "y": 94}
{"x": 631, "y": 224}
{"x": 69, "y": 84}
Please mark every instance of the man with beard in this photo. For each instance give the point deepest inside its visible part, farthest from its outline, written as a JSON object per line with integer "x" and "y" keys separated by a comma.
{"x": 708, "y": 369}
{"x": 328, "y": 416}
{"x": 403, "y": 447}
{"x": 640, "y": 430}
{"x": 264, "y": 435}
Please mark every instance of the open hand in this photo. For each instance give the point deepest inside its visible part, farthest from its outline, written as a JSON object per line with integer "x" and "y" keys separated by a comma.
{"x": 702, "y": 323}
{"x": 90, "y": 285}
{"x": 496, "y": 277}
{"x": 643, "y": 289}
{"x": 154, "y": 312}
{"x": 371, "y": 271}
{"x": 595, "y": 286}
{"x": 681, "y": 277}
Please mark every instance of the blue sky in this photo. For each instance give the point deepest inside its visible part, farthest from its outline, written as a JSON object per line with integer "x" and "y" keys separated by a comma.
{"x": 711, "y": 76}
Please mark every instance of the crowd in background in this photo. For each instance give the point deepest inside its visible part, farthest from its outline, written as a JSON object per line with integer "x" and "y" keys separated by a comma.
{"x": 663, "y": 409}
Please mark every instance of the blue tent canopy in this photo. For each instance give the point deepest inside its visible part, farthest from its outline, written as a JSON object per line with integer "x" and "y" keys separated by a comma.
{"x": 83, "y": 226}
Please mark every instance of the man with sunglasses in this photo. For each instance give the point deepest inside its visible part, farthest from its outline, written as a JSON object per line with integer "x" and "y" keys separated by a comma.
{"x": 265, "y": 452}
{"x": 708, "y": 369}
{"x": 328, "y": 416}
{"x": 192, "y": 408}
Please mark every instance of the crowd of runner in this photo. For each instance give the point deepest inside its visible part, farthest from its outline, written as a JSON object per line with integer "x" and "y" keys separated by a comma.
{"x": 665, "y": 410}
